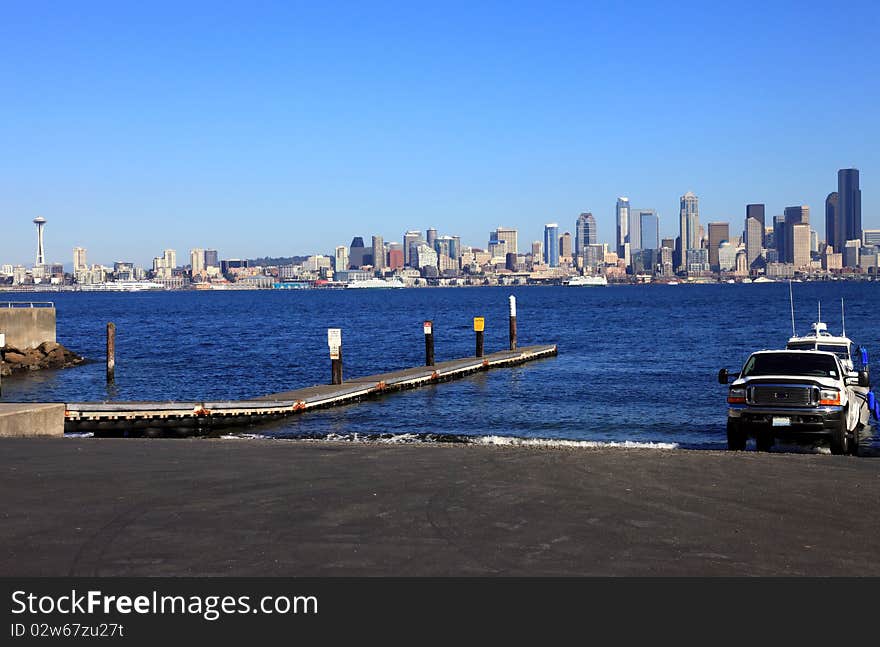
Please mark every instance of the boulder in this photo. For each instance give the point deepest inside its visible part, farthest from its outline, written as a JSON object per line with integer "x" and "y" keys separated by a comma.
{"x": 5, "y": 369}
{"x": 13, "y": 357}
{"x": 48, "y": 346}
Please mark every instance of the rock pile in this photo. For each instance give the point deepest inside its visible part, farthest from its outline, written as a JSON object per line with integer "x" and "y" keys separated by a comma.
{"x": 49, "y": 354}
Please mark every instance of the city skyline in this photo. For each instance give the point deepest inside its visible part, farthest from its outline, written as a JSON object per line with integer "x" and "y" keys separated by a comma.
{"x": 260, "y": 132}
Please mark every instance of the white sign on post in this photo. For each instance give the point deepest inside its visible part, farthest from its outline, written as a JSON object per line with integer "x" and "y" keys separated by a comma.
{"x": 334, "y": 337}
{"x": 2, "y": 340}
{"x": 428, "y": 327}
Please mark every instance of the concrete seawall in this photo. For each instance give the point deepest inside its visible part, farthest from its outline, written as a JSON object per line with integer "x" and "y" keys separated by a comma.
{"x": 27, "y": 327}
{"x": 29, "y": 420}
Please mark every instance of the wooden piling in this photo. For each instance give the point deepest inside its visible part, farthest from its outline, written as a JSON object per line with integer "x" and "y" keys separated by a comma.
{"x": 512, "y": 329}
{"x": 479, "y": 326}
{"x": 111, "y": 352}
{"x": 334, "y": 341}
{"x": 429, "y": 343}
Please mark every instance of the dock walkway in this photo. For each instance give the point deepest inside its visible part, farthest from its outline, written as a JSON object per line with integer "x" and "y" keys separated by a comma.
{"x": 115, "y": 418}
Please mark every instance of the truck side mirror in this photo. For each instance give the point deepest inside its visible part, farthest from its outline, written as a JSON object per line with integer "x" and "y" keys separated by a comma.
{"x": 722, "y": 376}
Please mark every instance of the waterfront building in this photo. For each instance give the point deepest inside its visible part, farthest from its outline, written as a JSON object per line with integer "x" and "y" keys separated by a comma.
{"x": 551, "y": 244}
{"x": 378, "y": 253}
{"x": 584, "y": 233}
{"x": 697, "y": 260}
{"x": 831, "y": 260}
{"x": 800, "y": 238}
{"x": 340, "y": 258}
{"x": 871, "y": 237}
{"x": 757, "y": 212}
{"x": 430, "y": 236}
{"x": 851, "y": 253}
{"x": 793, "y": 216}
{"x": 634, "y": 230}
{"x": 753, "y": 240}
{"x": 850, "y": 203}
{"x": 742, "y": 263}
{"x": 814, "y": 241}
{"x": 455, "y": 249}
{"x": 79, "y": 259}
{"x": 622, "y": 219}
{"x": 565, "y": 247}
{"x": 718, "y": 232}
{"x": 594, "y": 257}
{"x": 170, "y": 257}
{"x": 726, "y": 257}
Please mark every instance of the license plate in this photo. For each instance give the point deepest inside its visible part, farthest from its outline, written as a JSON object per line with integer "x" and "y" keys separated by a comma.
{"x": 781, "y": 422}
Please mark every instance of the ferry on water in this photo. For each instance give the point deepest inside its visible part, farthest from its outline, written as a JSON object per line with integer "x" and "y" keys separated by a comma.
{"x": 375, "y": 283}
{"x": 586, "y": 281}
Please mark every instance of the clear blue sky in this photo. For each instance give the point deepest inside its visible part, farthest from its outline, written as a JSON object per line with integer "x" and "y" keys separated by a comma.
{"x": 286, "y": 128}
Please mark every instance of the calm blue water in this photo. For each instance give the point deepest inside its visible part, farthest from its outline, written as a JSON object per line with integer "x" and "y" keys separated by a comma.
{"x": 635, "y": 363}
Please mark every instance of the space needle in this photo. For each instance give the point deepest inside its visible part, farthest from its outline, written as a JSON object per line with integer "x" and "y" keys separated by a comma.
{"x": 40, "y": 222}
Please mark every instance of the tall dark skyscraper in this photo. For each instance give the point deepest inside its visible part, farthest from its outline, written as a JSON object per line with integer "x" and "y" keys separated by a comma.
{"x": 756, "y": 211}
{"x": 779, "y": 235}
{"x": 584, "y": 233}
{"x": 850, "y": 203}
{"x": 835, "y": 236}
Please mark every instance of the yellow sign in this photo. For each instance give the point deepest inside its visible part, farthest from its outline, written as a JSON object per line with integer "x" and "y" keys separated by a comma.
{"x": 479, "y": 324}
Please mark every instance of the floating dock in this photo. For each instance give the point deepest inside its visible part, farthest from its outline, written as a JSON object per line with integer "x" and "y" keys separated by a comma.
{"x": 193, "y": 418}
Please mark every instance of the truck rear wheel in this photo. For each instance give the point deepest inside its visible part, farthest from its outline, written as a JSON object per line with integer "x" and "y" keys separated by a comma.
{"x": 736, "y": 436}
{"x": 839, "y": 444}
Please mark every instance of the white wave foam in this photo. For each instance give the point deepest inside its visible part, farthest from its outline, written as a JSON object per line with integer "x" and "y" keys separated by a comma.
{"x": 78, "y": 434}
{"x": 549, "y": 442}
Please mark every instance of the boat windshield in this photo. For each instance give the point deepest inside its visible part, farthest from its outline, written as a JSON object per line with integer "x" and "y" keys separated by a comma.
{"x": 841, "y": 350}
{"x": 795, "y": 364}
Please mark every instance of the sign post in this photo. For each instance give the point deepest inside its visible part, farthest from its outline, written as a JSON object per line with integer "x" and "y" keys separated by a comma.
{"x": 479, "y": 326}
{"x": 111, "y": 352}
{"x": 334, "y": 341}
{"x": 429, "y": 343}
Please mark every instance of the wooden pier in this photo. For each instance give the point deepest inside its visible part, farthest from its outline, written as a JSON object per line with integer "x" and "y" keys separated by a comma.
{"x": 189, "y": 418}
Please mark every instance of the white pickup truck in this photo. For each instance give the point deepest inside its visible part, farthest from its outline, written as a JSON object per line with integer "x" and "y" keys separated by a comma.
{"x": 795, "y": 393}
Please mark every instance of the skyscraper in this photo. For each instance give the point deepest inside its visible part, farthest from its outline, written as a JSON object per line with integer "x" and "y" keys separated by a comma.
{"x": 79, "y": 259}
{"x": 689, "y": 223}
{"x": 622, "y": 217}
{"x": 196, "y": 261}
{"x": 585, "y": 233}
{"x": 835, "y": 235}
{"x": 565, "y": 246}
{"x": 340, "y": 258}
{"x": 212, "y": 258}
{"x": 410, "y": 240}
{"x": 800, "y": 243}
{"x": 537, "y": 251}
{"x": 754, "y": 231}
{"x": 357, "y": 253}
{"x": 508, "y": 235}
{"x": 551, "y": 244}
{"x": 634, "y": 228}
{"x": 793, "y": 216}
{"x": 40, "y": 222}
{"x": 378, "y": 253}
{"x": 756, "y": 211}
{"x": 850, "y": 202}
{"x": 431, "y": 237}
{"x": 718, "y": 232}
{"x": 649, "y": 230}
{"x": 170, "y": 257}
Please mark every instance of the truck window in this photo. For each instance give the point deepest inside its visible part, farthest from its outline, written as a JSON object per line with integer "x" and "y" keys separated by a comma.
{"x": 794, "y": 364}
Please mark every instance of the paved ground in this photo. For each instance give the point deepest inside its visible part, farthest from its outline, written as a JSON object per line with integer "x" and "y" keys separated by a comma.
{"x": 251, "y": 507}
